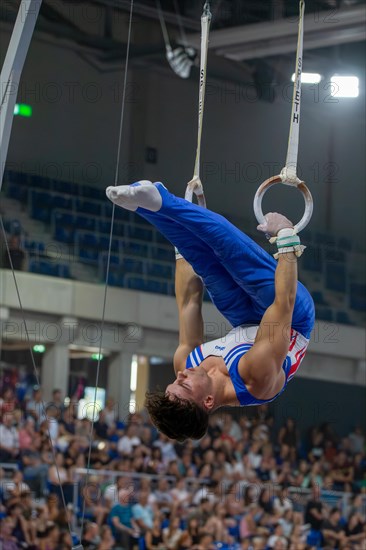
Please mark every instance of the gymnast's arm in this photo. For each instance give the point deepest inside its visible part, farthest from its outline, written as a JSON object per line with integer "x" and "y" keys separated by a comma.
{"x": 188, "y": 292}
{"x": 261, "y": 367}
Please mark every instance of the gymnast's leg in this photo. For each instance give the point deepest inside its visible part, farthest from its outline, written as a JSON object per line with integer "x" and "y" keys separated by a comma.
{"x": 227, "y": 296}
{"x": 248, "y": 264}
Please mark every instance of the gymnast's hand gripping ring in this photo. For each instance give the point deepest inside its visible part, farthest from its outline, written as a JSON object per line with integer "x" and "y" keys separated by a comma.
{"x": 279, "y": 179}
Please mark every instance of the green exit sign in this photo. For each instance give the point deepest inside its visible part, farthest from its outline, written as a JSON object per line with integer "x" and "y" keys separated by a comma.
{"x": 21, "y": 109}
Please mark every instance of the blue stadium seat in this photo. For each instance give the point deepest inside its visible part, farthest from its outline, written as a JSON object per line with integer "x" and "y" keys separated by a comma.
{"x": 44, "y": 268}
{"x": 358, "y": 297}
{"x": 136, "y": 283}
{"x": 16, "y": 192}
{"x": 86, "y": 222}
{"x": 131, "y": 265}
{"x": 136, "y": 249}
{"x": 104, "y": 226}
{"x": 336, "y": 277}
{"x": 163, "y": 254}
{"x": 88, "y": 255}
{"x": 318, "y": 298}
{"x": 64, "y": 234}
{"x": 313, "y": 260}
{"x": 103, "y": 244}
{"x": 88, "y": 240}
{"x": 115, "y": 279}
{"x": 160, "y": 270}
{"x": 324, "y": 314}
{"x": 64, "y": 218}
{"x": 159, "y": 287}
{"x": 88, "y": 207}
{"x": 140, "y": 233}
{"x": 342, "y": 318}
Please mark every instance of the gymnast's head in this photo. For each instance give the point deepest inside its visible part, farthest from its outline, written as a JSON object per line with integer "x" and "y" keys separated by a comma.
{"x": 182, "y": 411}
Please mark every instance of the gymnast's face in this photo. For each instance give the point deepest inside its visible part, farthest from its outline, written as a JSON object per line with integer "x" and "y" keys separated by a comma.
{"x": 193, "y": 384}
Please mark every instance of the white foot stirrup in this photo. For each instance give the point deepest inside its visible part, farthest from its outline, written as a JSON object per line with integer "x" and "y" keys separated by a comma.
{"x": 300, "y": 185}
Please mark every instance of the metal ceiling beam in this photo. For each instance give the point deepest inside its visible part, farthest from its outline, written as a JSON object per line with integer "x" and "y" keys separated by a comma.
{"x": 270, "y": 38}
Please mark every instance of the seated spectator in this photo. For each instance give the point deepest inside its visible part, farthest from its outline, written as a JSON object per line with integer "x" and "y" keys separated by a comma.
{"x": 16, "y": 253}
{"x": 180, "y": 493}
{"x": 107, "y": 541}
{"x": 7, "y": 540}
{"x": 52, "y": 507}
{"x": 282, "y": 503}
{"x": 124, "y": 527}
{"x": 128, "y": 441}
{"x": 9, "y": 439}
{"x": 35, "y": 406}
{"x": 314, "y": 512}
{"x": 287, "y": 522}
{"x": 289, "y": 435}
{"x": 355, "y": 530}
{"x": 59, "y": 477}
{"x": 8, "y": 402}
{"x": 110, "y": 494}
{"x": 342, "y": 473}
{"x": 333, "y": 531}
{"x": 21, "y": 527}
{"x": 154, "y": 536}
{"x": 15, "y": 487}
{"x": 172, "y": 533}
{"x": 27, "y": 433}
{"x": 143, "y": 513}
{"x": 265, "y": 500}
{"x": 90, "y": 540}
{"x": 277, "y": 541}
{"x": 206, "y": 542}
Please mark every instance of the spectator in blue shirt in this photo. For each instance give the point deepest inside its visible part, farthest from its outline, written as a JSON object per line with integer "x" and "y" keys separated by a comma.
{"x": 124, "y": 526}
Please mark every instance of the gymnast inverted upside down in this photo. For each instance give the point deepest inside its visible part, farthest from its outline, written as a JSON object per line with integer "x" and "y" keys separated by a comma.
{"x": 271, "y": 312}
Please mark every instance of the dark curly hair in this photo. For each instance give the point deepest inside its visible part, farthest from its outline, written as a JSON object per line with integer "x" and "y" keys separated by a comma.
{"x": 175, "y": 417}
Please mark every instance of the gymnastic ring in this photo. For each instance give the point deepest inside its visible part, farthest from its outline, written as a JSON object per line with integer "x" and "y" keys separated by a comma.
{"x": 305, "y": 193}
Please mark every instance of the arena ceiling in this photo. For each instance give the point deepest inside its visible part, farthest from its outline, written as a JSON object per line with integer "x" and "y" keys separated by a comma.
{"x": 249, "y": 39}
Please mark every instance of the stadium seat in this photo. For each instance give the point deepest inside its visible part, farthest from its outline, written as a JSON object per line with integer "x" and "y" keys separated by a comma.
{"x": 313, "y": 260}
{"x": 336, "y": 277}
{"x": 324, "y": 314}
{"x": 318, "y": 298}
{"x": 358, "y": 297}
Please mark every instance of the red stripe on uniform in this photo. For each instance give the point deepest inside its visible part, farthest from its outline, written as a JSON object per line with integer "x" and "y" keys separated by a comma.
{"x": 299, "y": 355}
{"x": 292, "y": 345}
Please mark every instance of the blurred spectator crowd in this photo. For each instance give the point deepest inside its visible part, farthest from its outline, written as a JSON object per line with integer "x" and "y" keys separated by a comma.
{"x": 244, "y": 486}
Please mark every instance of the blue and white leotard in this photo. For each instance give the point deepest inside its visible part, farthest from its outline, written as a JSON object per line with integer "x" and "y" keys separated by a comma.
{"x": 234, "y": 345}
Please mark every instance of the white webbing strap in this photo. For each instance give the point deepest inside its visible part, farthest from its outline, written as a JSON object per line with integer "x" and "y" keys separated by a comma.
{"x": 195, "y": 185}
{"x": 289, "y": 172}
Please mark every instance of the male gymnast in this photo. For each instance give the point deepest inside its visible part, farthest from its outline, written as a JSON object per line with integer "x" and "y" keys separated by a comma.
{"x": 272, "y": 314}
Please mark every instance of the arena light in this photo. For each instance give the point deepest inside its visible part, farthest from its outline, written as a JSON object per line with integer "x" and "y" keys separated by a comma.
{"x": 344, "y": 86}
{"x": 308, "y": 78}
{"x": 21, "y": 109}
{"x": 39, "y": 348}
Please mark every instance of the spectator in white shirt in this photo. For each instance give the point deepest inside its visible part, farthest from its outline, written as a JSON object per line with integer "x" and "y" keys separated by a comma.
{"x": 130, "y": 440}
{"x": 9, "y": 439}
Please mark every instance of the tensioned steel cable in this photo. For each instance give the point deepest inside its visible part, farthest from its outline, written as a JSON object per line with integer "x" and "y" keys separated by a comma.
{"x": 108, "y": 260}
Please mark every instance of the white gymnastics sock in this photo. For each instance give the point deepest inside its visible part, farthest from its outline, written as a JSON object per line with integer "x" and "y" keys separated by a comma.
{"x": 130, "y": 197}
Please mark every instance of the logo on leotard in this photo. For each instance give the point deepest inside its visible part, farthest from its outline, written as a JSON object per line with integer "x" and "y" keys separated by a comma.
{"x": 220, "y": 348}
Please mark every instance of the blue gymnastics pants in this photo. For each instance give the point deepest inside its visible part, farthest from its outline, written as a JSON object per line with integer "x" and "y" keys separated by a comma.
{"x": 238, "y": 274}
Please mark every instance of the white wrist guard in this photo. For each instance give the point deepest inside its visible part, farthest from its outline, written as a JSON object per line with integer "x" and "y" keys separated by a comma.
{"x": 178, "y": 255}
{"x": 287, "y": 240}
